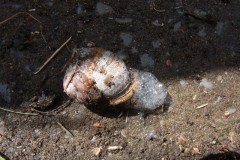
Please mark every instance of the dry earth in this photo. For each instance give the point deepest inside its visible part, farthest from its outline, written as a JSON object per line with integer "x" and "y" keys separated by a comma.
{"x": 193, "y": 47}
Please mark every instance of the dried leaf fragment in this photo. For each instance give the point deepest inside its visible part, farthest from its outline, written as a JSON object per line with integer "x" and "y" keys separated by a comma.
{"x": 97, "y": 125}
{"x": 181, "y": 140}
{"x": 194, "y": 97}
{"x": 195, "y": 150}
{"x": 186, "y": 150}
{"x": 231, "y": 135}
{"x": 96, "y": 151}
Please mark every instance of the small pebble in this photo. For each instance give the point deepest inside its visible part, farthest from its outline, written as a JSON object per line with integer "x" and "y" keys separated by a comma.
{"x": 214, "y": 142}
{"x": 90, "y": 44}
{"x": 79, "y": 9}
{"x": 96, "y": 151}
{"x": 28, "y": 68}
{"x": 134, "y": 50}
{"x": 217, "y": 101}
{"x": 205, "y": 83}
{"x": 147, "y": 60}
{"x": 181, "y": 140}
{"x": 126, "y": 38}
{"x": 194, "y": 97}
{"x": 123, "y": 133}
{"x": 157, "y": 23}
{"x": 50, "y": 3}
{"x": 202, "y": 32}
{"x": 102, "y": 9}
{"x": 219, "y": 28}
{"x": 5, "y": 92}
{"x": 230, "y": 111}
{"x": 186, "y": 150}
{"x": 200, "y": 12}
{"x": 94, "y": 139}
{"x": 122, "y": 55}
{"x": 151, "y": 135}
{"x": 195, "y": 150}
{"x": 2, "y": 127}
{"x": 37, "y": 132}
{"x": 219, "y": 78}
{"x": 10, "y": 5}
{"x": 177, "y": 26}
{"x": 183, "y": 82}
{"x": 156, "y": 44}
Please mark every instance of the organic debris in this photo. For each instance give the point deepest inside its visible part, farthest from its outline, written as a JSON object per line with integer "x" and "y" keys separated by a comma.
{"x": 195, "y": 150}
{"x": 113, "y": 148}
{"x": 65, "y": 129}
{"x": 52, "y": 56}
{"x": 202, "y": 106}
{"x": 230, "y": 111}
{"x": 181, "y": 140}
{"x": 96, "y": 151}
{"x": 21, "y": 113}
{"x": 97, "y": 125}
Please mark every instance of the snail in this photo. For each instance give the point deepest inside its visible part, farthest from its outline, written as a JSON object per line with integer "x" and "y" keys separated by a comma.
{"x": 98, "y": 73}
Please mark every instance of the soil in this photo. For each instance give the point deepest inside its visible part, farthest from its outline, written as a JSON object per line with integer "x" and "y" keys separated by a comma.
{"x": 196, "y": 56}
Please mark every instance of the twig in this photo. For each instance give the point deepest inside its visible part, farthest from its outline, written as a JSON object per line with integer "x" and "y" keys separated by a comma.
{"x": 52, "y": 56}
{"x": 120, "y": 114}
{"x": 67, "y": 63}
{"x": 204, "y": 105}
{"x": 15, "y": 15}
{"x": 127, "y": 117}
{"x": 113, "y": 148}
{"x": 65, "y": 129}
{"x": 158, "y": 10}
{"x": 178, "y": 7}
{"x": 21, "y": 113}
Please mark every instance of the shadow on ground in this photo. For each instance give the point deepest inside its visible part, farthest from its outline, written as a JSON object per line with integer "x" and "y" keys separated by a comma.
{"x": 223, "y": 156}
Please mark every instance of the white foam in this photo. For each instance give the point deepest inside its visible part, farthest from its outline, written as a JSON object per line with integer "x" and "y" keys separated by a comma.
{"x": 150, "y": 93}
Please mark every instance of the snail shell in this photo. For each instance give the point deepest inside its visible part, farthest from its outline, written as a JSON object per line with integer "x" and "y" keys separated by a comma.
{"x": 100, "y": 71}
{"x": 78, "y": 83}
{"x": 110, "y": 74}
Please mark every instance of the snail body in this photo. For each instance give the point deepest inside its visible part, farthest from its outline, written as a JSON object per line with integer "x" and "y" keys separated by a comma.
{"x": 101, "y": 74}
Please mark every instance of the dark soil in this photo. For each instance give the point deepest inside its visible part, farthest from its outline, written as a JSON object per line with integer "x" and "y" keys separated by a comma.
{"x": 197, "y": 40}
